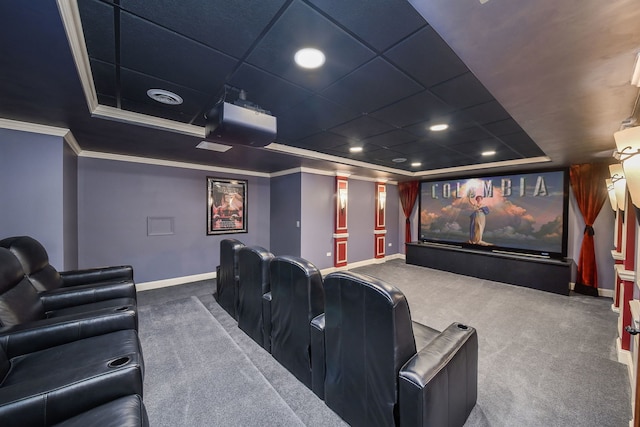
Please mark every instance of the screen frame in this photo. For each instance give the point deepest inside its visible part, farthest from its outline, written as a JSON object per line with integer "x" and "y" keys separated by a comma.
{"x": 496, "y": 248}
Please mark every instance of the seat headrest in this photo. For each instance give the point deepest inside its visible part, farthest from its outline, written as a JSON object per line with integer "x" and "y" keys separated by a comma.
{"x": 31, "y": 254}
{"x": 295, "y": 263}
{"x": 231, "y": 244}
{"x": 256, "y": 251}
{"x": 11, "y": 272}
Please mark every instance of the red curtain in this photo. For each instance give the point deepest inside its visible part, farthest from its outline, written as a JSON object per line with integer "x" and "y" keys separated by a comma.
{"x": 408, "y": 192}
{"x": 587, "y": 182}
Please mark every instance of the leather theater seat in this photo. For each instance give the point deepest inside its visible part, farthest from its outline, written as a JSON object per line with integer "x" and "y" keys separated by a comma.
{"x": 70, "y": 288}
{"x": 45, "y": 385}
{"x": 128, "y": 411}
{"x": 23, "y": 308}
{"x": 253, "y": 284}
{"x": 374, "y": 374}
{"x": 297, "y": 296}
{"x": 227, "y": 276}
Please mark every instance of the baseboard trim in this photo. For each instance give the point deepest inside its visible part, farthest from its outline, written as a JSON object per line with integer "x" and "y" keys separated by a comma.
{"x": 156, "y": 284}
{"x": 363, "y": 263}
{"x": 624, "y": 357}
{"x": 606, "y": 293}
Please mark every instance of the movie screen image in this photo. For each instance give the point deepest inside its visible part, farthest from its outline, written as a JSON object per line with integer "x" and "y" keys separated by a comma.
{"x": 525, "y": 213}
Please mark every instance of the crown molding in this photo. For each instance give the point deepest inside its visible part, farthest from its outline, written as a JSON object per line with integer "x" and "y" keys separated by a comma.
{"x": 474, "y": 167}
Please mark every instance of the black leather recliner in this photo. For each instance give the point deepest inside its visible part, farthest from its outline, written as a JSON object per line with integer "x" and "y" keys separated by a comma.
{"x": 297, "y": 296}
{"x": 23, "y": 308}
{"x": 253, "y": 284}
{"x": 71, "y": 288}
{"x": 227, "y": 276}
{"x": 44, "y": 382}
{"x": 380, "y": 368}
{"x": 128, "y": 411}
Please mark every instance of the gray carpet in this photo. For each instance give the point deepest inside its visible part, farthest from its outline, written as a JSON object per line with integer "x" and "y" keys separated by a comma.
{"x": 196, "y": 375}
{"x": 544, "y": 359}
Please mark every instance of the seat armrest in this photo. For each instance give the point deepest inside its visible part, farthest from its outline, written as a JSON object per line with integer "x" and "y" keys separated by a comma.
{"x": 86, "y": 294}
{"x": 318, "y": 363}
{"x": 94, "y": 275}
{"x": 217, "y": 288}
{"x": 34, "y": 336}
{"x": 439, "y": 385}
{"x": 266, "y": 321}
{"x": 67, "y": 392}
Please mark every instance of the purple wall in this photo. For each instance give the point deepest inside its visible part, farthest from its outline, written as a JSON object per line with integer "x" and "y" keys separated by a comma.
{"x": 70, "y": 202}
{"x": 116, "y": 198}
{"x": 317, "y": 219}
{"x": 361, "y": 220}
{"x": 31, "y": 177}
{"x": 285, "y": 214}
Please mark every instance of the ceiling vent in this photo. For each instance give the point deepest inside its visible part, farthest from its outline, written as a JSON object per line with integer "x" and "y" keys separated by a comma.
{"x": 240, "y": 123}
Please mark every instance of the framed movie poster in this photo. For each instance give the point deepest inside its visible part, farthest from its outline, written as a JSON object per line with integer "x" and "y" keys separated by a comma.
{"x": 226, "y": 206}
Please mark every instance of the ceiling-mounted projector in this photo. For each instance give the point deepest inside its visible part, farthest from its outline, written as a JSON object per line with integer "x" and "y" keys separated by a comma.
{"x": 243, "y": 125}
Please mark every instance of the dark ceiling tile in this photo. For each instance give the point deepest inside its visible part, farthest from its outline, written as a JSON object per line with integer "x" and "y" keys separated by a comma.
{"x": 98, "y": 27}
{"x": 427, "y": 58}
{"x": 462, "y": 91}
{"x": 521, "y": 143}
{"x": 157, "y": 111}
{"x": 155, "y": 51}
{"x": 134, "y": 89}
{"x": 503, "y": 127}
{"x": 488, "y": 112}
{"x": 457, "y": 120}
{"x": 361, "y": 128}
{"x": 301, "y": 26}
{"x": 269, "y": 92}
{"x": 109, "y": 101}
{"x": 228, "y": 26}
{"x": 372, "y": 86}
{"x": 320, "y": 141}
{"x": 104, "y": 78}
{"x": 381, "y": 24}
{"x": 416, "y": 108}
{"x": 312, "y": 115}
{"x": 391, "y": 139}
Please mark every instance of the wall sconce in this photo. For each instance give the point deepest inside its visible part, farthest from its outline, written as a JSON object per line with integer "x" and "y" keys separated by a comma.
{"x": 628, "y": 144}
{"x": 342, "y": 195}
{"x": 382, "y": 199}
{"x": 612, "y": 194}
{"x": 619, "y": 184}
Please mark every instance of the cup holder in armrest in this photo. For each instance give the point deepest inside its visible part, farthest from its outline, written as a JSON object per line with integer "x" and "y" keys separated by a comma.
{"x": 123, "y": 308}
{"x": 463, "y": 327}
{"x": 120, "y": 361}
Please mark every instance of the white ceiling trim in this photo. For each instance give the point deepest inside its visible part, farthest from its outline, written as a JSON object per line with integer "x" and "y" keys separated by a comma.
{"x": 73, "y": 27}
{"x": 169, "y": 163}
{"x": 111, "y": 113}
{"x": 506, "y": 163}
{"x": 301, "y": 152}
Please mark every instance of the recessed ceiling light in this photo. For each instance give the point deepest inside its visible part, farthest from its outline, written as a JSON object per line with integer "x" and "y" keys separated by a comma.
{"x": 439, "y": 127}
{"x": 164, "y": 96}
{"x": 488, "y": 153}
{"x": 355, "y": 149}
{"x": 416, "y": 164}
{"x": 399, "y": 160}
{"x": 309, "y": 58}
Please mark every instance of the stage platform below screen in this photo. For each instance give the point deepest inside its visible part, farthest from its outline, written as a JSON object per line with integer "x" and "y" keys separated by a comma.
{"x": 545, "y": 274}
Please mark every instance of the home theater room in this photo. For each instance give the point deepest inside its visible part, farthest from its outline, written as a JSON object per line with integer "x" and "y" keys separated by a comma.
{"x": 319, "y": 213}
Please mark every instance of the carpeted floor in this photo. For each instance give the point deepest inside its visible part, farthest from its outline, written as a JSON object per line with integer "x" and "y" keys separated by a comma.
{"x": 544, "y": 359}
{"x": 196, "y": 375}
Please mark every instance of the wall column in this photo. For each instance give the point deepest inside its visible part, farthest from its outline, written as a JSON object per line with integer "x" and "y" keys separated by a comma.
{"x": 341, "y": 234}
{"x": 380, "y": 231}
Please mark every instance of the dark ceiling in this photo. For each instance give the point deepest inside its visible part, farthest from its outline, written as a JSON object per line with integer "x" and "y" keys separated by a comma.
{"x": 388, "y": 76}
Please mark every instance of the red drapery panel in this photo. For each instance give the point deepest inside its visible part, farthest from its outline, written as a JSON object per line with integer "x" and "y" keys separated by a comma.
{"x": 408, "y": 192}
{"x": 587, "y": 182}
